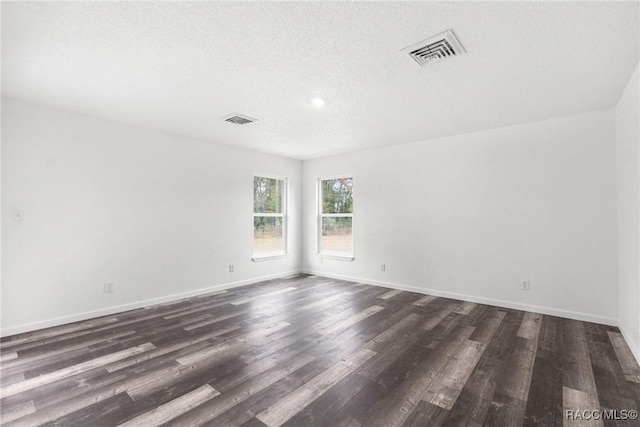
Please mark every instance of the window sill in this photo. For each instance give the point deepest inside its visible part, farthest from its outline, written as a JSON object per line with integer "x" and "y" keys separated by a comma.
{"x": 268, "y": 257}
{"x": 337, "y": 257}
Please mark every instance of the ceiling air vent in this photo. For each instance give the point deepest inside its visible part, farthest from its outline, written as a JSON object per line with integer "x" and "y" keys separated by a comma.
{"x": 239, "y": 119}
{"x": 435, "y": 49}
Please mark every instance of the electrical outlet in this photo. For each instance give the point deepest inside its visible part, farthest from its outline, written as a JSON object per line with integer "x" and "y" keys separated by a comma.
{"x": 383, "y": 267}
{"x": 231, "y": 269}
{"x": 525, "y": 285}
{"x": 108, "y": 287}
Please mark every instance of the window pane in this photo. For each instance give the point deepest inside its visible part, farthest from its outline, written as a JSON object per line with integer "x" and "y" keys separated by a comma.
{"x": 267, "y": 195}
{"x": 336, "y": 236}
{"x": 267, "y": 235}
{"x": 337, "y": 195}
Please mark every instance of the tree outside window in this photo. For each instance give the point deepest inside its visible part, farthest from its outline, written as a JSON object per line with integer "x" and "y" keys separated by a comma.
{"x": 336, "y": 217}
{"x": 269, "y": 216}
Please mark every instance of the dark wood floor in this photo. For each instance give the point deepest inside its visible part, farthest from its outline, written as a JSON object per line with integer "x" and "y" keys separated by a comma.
{"x": 311, "y": 351}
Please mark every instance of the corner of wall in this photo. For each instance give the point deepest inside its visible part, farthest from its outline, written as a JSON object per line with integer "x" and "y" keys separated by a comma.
{"x": 627, "y": 135}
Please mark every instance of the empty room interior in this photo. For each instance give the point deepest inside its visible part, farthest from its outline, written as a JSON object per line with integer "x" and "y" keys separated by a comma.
{"x": 320, "y": 214}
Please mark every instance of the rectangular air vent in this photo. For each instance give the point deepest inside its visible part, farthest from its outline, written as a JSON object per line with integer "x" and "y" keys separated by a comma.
{"x": 434, "y": 49}
{"x": 239, "y": 119}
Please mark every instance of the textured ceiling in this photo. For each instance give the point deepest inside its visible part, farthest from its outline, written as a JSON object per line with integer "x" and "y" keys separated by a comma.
{"x": 182, "y": 67}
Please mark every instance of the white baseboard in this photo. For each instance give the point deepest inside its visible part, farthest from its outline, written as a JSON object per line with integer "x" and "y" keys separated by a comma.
{"x": 57, "y": 321}
{"x": 633, "y": 345}
{"x": 472, "y": 298}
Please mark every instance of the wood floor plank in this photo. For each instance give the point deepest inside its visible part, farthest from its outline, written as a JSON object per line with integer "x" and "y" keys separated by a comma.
{"x": 394, "y": 331}
{"x": 577, "y": 401}
{"x": 486, "y": 330}
{"x": 385, "y": 357}
{"x": 465, "y": 307}
{"x": 246, "y": 300}
{"x": 258, "y": 366}
{"x": 72, "y": 370}
{"x": 505, "y": 411}
{"x": 151, "y": 383}
{"x": 352, "y": 320}
{"x": 140, "y": 317}
{"x": 424, "y": 300}
{"x": 475, "y": 400}
{"x": 391, "y": 376}
{"x": 544, "y": 407}
{"x": 189, "y": 345}
{"x": 327, "y": 345}
{"x": 11, "y": 379}
{"x": 52, "y": 332}
{"x": 577, "y": 370}
{"x": 427, "y": 414}
{"x": 176, "y": 407}
{"x": 390, "y": 294}
{"x": 17, "y": 411}
{"x": 156, "y": 397}
{"x": 348, "y": 422}
{"x": 335, "y": 347}
{"x": 311, "y": 351}
{"x": 447, "y": 385}
{"x": 625, "y": 357}
{"x": 32, "y": 360}
{"x": 439, "y": 316}
{"x": 6, "y": 356}
{"x": 254, "y": 422}
{"x": 245, "y": 410}
{"x": 544, "y": 402}
{"x": 54, "y": 412}
{"x": 211, "y": 320}
{"x": 530, "y": 328}
{"x": 397, "y": 408}
{"x": 230, "y": 347}
{"x": 329, "y": 403}
{"x": 550, "y": 340}
{"x": 57, "y": 391}
{"x": 286, "y": 408}
{"x": 520, "y": 363}
{"x": 213, "y": 408}
{"x": 611, "y": 382}
{"x": 324, "y": 301}
{"x": 106, "y": 412}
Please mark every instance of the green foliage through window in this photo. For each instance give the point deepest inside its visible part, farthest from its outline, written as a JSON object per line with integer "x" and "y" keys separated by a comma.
{"x": 268, "y": 216}
{"x": 337, "y": 195}
{"x": 336, "y": 217}
{"x": 267, "y": 195}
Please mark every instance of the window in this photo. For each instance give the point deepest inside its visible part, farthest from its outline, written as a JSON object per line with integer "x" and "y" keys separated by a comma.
{"x": 269, "y": 217}
{"x": 335, "y": 219}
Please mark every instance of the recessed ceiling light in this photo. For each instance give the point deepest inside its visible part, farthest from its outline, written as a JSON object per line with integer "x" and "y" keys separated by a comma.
{"x": 317, "y": 101}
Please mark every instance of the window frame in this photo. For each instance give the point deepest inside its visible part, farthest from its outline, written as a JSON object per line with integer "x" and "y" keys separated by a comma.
{"x": 319, "y": 200}
{"x": 284, "y": 218}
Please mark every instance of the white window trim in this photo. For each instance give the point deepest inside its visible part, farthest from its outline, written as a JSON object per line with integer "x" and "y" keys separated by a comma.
{"x": 269, "y": 257}
{"x": 337, "y": 257}
{"x": 319, "y": 252}
{"x": 285, "y": 220}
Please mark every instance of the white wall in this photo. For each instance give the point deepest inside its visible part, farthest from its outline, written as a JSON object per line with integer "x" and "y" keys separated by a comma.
{"x": 628, "y": 160}
{"x": 156, "y": 214}
{"x": 472, "y": 215}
